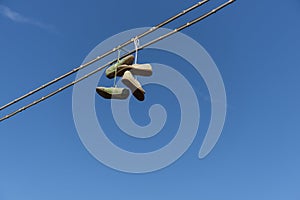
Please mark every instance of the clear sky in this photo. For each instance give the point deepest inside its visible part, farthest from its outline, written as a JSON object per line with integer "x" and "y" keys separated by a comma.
{"x": 256, "y": 46}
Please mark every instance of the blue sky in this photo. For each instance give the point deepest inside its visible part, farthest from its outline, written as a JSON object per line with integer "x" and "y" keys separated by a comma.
{"x": 256, "y": 47}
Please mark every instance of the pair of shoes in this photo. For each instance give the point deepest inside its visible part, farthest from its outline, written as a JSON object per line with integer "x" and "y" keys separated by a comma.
{"x": 123, "y": 93}
{"x": 126, "y": 69}
{"x": 126, "y": 64}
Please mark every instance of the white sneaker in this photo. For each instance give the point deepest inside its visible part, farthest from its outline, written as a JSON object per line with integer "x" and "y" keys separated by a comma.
{"x": 113, "y": 92}
{"x": 137, "y": 69}
{"x": 135, "y": 87}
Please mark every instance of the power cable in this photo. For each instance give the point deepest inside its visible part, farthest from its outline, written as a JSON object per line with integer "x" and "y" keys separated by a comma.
{"x": 106, "y": 54}
{"x": 188, "y": 24}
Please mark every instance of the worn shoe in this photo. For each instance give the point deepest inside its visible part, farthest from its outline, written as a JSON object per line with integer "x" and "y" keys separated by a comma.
{"x": 136, "y": 69}
{"x": 111, "y": 71}
{"x": 135, "y": 87}
{"x": 113, "y": 92}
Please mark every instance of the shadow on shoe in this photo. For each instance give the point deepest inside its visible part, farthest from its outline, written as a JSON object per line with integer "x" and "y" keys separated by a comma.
{"x": 133, "y": 84}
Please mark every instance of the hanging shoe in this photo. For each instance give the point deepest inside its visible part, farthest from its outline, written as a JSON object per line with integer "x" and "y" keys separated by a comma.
{"x": 113, "y": 92}
{"x": 136, "y": 69}
{"x": 135, "y": 87}
{"x": 111, "y": 71}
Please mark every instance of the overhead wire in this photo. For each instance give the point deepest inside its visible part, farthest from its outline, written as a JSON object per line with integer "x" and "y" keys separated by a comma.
{"x": 106, "y": 54}
{"x": 186, "y": 25}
